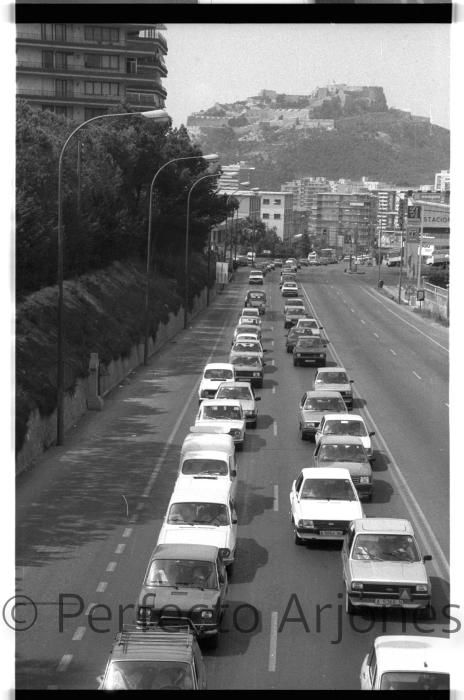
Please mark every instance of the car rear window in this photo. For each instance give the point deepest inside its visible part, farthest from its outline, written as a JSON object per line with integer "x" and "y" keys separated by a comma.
{"x": 191, "y": 467}
{"x": 219, "y": 374}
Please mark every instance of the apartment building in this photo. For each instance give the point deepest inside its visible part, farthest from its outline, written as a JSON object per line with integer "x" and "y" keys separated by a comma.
{"x": 344, "y": 219}
{"x": 443, "y": 181}
{"x": 303, "y": 191}
{"x": 277, "y": 211}
{"x": 82, "y": 70}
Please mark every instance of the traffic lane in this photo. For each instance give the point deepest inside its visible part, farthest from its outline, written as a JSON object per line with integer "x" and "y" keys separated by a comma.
{"x": 70, "y": 511}
{"x": 413, "y": 423}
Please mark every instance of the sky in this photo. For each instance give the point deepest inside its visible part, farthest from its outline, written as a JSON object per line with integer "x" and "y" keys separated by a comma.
{"x": 210, "y": 63}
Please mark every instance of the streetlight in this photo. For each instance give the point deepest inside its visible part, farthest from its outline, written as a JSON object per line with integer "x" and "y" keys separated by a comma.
{"x": 159, "y": 115}
{"x": 186, "y": 297}
{"x": 209, "y": 157}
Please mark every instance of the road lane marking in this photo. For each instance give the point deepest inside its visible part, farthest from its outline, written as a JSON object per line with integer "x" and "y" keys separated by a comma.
{"x": 392, "y": 352}
{"x": 273, "y": 643}
{"x": 362, "y": 321}
{"x": 273, "y": 390}
{"x": 64, "y": 663}
{"x": 407, "y": 322}
{"x": 127, "y": 532}
{"x": 352, "y": 310}
{"x": 276, "y": 497}
{"x": 275, "y": 428}
{"x": 416, "y": 375}
{"x": 140, "y": 506}
{"x": 376, "y": 335}
{"x": 120, "y": 548}
{"x": 101, "y": 588}
{"x": 78, "y": 634}
{"x": 272, "y": 342}
{"x": 272, "y": 362}
{"x": 89, "y": 608}
{"x": 111, "y": 566}
{"x": 446, "y": 404}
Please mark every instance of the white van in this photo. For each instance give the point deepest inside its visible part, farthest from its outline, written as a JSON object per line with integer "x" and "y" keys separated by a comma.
{"x": 208, "y": 456}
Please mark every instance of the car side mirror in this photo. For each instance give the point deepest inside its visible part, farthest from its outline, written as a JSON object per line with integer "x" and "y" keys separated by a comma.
{"x": 233, "y": 472}
{"x": 257, "y": 398}
{"x": 321, "y": 327}
{"x": 351, "y": 381}
{"x": 99, "y": 680}
{"x": 427, "y": 557}
{"x": 372, "y": 433}
{"x": 264, "y": 349}
{"x": 264, "y": 364}
{"x": 234, "y": 521}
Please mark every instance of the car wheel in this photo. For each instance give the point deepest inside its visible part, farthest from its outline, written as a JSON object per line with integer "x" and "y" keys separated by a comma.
{"x": 295, "y": 362}
{"x": 298, "y": 541}
{"x": 289, "y": 349}
{"x": 426, "y": 613}
{"x": 212, "y": 642}
{"x": 230, "y": 570}
{"x": 300, "y": 430}
{"x": 254, "y": 424}
{"x": 322, "y": 364}
{"x": 349, "y": 608}
{"x": 368, "y": 497}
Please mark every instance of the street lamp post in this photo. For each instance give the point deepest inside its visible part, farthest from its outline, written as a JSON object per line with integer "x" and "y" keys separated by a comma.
{"x": 159, "y": 115}
{"x": 209, "y": 157}
{"x": 379, "y": 249}
{"x": 186, "y": 267}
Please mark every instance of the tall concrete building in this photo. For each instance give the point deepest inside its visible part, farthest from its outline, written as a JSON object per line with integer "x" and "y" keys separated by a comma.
{"x": 277, "y": 212}
{"x": 339, "y": 219}
{"x": 82, "y": 70}
{"x": 443, "y": 181}
{"x": 303, "y": 191}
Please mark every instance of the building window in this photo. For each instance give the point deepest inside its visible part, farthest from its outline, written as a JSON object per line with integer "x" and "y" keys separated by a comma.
{"x": 265, "y": 216}
{"x": 277, "y": 216}
{"x": 47, "y": 59}
{"x": 93, "y": 60}
{"x": 53, "y": 32}
{"x": 107, "y": 34}
{"x": 62, "y": 88}
{"x": 101, "y": 88}
{"x": 277, "y": 201}
{"x": 266, "y": 201}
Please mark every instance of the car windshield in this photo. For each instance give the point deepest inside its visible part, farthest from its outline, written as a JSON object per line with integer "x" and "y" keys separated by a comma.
{"x": 192, "y": 573}
{"x": 219, "y": 374}
{"x": 308, "y": 343}
{"x": 414, "y": 680}
{"x": 385, "y": 547}
{"x": 345, "y": 427}
{"x": 247, "y": 347}
{"x": 194, "y": 513}
{"x": 332, "y": 378}
{"x": 257, "y": 296}
{"x": 249, "y": 321}
{"x": 235, "y": 392}
{"x": 204, "y": 466}
{"x": 148, "y": 675}
{"x": 308, "y": 323}
{"x": 248, "y": 360}
{"x": 223, "y": 412}
{"x": 295, "y": 332}
{"x": 328, "y": 489}
{"x": 342, "y": 453}
{"x": 334, "y": 404}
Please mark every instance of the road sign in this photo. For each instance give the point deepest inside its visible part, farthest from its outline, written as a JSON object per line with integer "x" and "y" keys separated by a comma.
{"x": 420, "y": 294}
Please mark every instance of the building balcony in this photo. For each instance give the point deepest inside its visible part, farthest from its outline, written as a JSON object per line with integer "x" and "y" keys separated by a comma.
{"x": 145, "y": 43}
{"x": 68, "y": 96}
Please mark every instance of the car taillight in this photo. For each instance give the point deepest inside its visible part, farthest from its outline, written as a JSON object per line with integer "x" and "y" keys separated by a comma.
{"x": 143, "y": 613}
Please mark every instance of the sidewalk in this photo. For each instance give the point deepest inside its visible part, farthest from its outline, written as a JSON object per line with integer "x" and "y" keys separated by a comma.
{"x": 391, "y": 291}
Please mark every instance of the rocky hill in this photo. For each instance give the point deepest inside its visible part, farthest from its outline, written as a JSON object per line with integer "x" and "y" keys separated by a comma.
{"x": 338, "y": 131}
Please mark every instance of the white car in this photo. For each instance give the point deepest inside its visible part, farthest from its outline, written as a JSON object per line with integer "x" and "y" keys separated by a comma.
{"x": 213, "y": 374}
{"x": 249, "y": 347}
{"x": 289, "y": 289}
{"x": 250, "y": 311}
{"x": 243, "y": 391}
{"x": 201, "y": 512}
{"x": 311, "y": 323}
{"x": 335, "y": 379}
{"x": 226, "y": 413}
{"x": 248, "y": 328}
{"x": 255, "y": 277}
{"x": 246, "y": 337}
{"x": 249, "y": 321}
{"x": 409, "y": 662}
{"x": 346, "y": 424}
{"x": 323, "y": 502}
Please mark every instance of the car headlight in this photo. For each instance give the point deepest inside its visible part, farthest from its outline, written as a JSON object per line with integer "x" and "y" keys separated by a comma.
{"x": 224, "y": 552}
{"x": 357, "y": 586}
{"x": 249, "y": 413}
{"x": 305, "y": 523}
{"x": 206, "y": 614}
{"x": 298, "y": 354}
{"x": 256, "y": 374}
{"x": 364, "y": 479}
{"x": 143, "y": 613}
{"x": 321, "y": 355}
{"x": 422, "y": 588}
{"x": 234, "y": 432}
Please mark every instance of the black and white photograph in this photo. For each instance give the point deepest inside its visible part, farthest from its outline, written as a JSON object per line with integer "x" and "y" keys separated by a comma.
{"x": 234, "y": 437}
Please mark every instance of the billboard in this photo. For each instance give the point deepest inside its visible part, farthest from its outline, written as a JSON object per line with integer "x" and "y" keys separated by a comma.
{"x": 222, "y": 272}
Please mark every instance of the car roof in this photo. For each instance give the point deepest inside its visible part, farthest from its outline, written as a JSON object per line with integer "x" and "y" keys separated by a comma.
{"x": 320, "y": 394}
{"x": 337, "y": 439}
{"x": 181, "y": 550}
{"x": 322, "y": 370}
{"x": 209, "y": 490}
{"x": 204, "y": 454}
{"x": 237, "y": 384}
{"x": 221, "y": 402}
{"x": 325, "y": 473}
{"x": 153, "y": 644}
{"x": 344, "y": 416}
{"x": 413, "y": 653}
{"x": 393, "y": 525}
{"x": 218, "y": 365}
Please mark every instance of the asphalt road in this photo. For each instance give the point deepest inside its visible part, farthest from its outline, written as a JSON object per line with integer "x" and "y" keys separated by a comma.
{"x": 89, "y": 514}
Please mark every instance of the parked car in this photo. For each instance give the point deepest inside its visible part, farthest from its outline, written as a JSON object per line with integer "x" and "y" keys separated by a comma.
{"x": 201, "y": 512}
{"x": 251, "y": 347}
{"x": 311, "y": 323}
{"x": 213, "y": 374}
{"x": 349, "y": 452}
{"x": 209, "y": 455}
{"x": 249, "y": 321}
{"x": 346, "y": 424}
{"x": 293, "y": 334}
{"x": 243, "y": 392}
{"x": 256, "y": 300}
{"x": 314, "y": 405}
{"x": 286, "y": 276}
{"x": 251, "y": 311}
{"x": 323, "y": 502}
{"x": 249, "y": 368}
{"x": 310, "y": 349}
{"x": 154, "y": 659}
{"x": 292, "y": 314}
{"x": 335, "y": 379}
{"x": 383, "y": 566}
{"x": 256, "y": 277}
{"x": 297, "y": 301}
{"x": 227, "y": 413}
{"x": 248, "y": 329}
{"x": 409, "y": 662}
{"x": 289, "y": 289}
{"x": 170, "y": 595}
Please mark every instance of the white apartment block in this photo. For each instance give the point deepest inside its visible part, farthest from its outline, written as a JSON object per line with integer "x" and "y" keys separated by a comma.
{"x": 443, "y": 181}
{"x": 277, "y": 212}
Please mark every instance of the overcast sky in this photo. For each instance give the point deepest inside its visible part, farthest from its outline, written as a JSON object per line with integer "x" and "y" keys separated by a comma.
{"x": 210, "y": 63}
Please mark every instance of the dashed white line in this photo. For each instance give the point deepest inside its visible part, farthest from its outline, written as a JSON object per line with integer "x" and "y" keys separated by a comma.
{"x": 134, "y": 518}
{"x": 392, "y": 352}
{"x": 89, "y": 608}
{"x": 111, "y": 566}
{"x": 139, "y": 506}
{"x": 127, "y": 532}
{"x": 120, "y": 548}
{"x": 416, "y": 375}
{"x": 272, "y": 342}
{"x": 446, "y": 404}
{"x": 78, "y": 634}
{"x": 273, "y": 643}
{"x": 376, "y": 335}
{"x": 101, "y": 588}
{"x": 272, "y": 362}
{"x": 276, "y": 497}
{"x": 274, "y": 427}
{"x": 273, "y": 390}
{"x": 362, "y": 321}
{"x": 64, "y": 663}
{"x": 352, "y": 311}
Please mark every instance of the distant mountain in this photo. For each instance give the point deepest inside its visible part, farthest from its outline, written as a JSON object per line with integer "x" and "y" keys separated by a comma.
{"x": 337, "y": 132}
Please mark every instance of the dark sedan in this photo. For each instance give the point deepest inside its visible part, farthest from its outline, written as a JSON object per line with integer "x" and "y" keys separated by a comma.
{"x": 310, "y": 350}
{"x": 294, "y": 334}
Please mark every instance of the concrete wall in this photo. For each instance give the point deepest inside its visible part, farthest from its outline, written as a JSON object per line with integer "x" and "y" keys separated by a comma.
{"x": 41, "y": 432}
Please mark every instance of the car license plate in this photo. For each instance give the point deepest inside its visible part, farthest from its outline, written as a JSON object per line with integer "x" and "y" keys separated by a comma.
{"x": 328, "y": 533}
{"x": 387, "y": 601}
